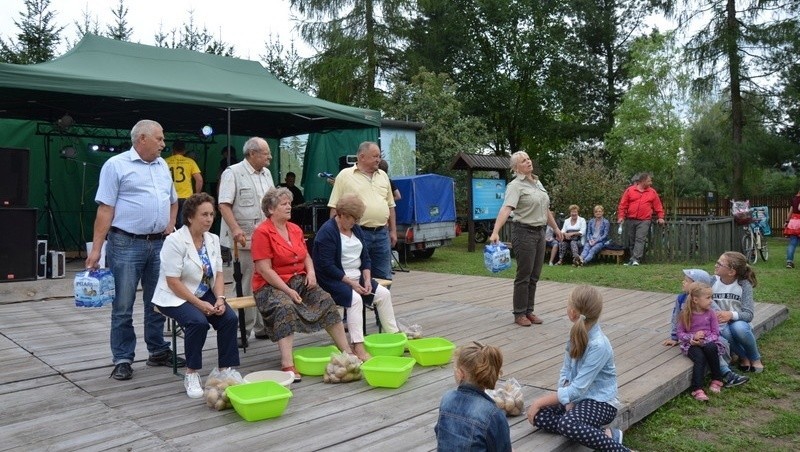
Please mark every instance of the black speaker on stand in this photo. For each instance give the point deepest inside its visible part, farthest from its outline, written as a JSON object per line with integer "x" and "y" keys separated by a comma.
{"x": 18, "y": 260}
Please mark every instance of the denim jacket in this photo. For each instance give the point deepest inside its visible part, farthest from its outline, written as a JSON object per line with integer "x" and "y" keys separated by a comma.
{"x": 469, "y": 420}
{"x": 593, "y": 375}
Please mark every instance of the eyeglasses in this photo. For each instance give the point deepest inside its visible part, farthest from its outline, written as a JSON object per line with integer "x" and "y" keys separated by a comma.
{"x": 720, "y": 264}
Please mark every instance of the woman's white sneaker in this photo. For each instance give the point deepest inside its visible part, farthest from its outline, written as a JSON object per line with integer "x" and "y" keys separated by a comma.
{"x": 194, "y": 389}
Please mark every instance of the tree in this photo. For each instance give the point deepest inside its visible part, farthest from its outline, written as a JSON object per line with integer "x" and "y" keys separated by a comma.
{"x": 583, "y": 177}
{"x": 120, "y": 29}
{"x": 649, "y": 134}
{"x": 284, "y": 63}
{"x": 735, "y": 48}
{"x": 192, "y": 37}
{"x": 90, "y": 25}
{"x": 432, "y": 100}
{"x": 539, "y": 74}
{"x": 357, "y": 42}
{"x": 38, "y": 36}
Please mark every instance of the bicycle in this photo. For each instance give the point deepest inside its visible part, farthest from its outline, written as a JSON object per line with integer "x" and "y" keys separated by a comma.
{"x": 756, "y": 226}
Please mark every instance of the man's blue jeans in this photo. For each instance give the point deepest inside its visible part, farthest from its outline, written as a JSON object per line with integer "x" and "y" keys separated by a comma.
{"x": 380, "y": 252}
{"x": 131, "y": 261}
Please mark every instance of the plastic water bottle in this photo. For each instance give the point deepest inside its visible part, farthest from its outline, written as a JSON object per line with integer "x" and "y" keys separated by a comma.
{"x": 619, "y": 229}
{"x": 94, "y": 288}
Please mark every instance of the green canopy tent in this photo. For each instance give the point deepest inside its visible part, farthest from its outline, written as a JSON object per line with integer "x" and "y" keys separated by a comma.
{"x": 108, "y": 83}
{"x": 104, "y": 86}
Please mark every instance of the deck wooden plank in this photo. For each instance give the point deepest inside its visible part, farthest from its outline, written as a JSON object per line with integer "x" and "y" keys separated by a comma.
{"x": 58, "y": 351}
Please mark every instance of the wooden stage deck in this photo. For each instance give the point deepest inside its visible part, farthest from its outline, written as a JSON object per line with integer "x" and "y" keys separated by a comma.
{"x": 56, "y": 395}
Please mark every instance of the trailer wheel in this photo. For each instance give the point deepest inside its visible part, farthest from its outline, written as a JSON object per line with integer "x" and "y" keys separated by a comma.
{"x": 423, "y": 254}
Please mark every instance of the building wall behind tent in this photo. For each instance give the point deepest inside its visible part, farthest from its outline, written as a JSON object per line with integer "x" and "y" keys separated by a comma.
{"x": 73, "y": 182}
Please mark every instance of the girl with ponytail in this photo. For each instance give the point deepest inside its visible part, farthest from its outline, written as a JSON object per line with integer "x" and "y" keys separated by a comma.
{"x": 587, "y": 386}
{"x": 468, "y": 418}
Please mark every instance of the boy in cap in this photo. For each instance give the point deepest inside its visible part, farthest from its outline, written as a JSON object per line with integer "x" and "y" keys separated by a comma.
{"x": 696, "y": 275}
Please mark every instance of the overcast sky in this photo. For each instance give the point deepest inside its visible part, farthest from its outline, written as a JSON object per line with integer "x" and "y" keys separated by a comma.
{"x": 245, "y": 24}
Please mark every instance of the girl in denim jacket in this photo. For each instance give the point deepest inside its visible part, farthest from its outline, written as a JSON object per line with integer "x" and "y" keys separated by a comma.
{"x": 587, "y": 387}
{"x": 468, "y": 418}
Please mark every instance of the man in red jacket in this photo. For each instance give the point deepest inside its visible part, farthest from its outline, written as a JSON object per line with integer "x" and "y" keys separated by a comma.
{"x": 636, "y": 210}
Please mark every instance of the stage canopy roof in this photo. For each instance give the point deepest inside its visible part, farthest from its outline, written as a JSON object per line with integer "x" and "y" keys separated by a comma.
{"x": 108, "y": 83}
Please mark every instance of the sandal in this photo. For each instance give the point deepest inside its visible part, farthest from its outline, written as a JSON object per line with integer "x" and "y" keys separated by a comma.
{"x": 297, "y": 377}
{"x": 715, "y": 386}
{"x": 700, "y": 395}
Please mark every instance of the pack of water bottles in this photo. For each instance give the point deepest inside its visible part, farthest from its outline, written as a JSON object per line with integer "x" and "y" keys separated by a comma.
{"x": 496, "y": 258}
{"x": 94, "y": 288}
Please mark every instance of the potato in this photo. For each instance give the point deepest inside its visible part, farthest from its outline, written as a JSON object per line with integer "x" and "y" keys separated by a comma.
{"x": 340, "y": 372}
{"x": 220, "y": 405}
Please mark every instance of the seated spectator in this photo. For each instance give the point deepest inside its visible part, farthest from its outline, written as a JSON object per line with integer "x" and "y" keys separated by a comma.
{"x": 297, "y": 195}
{"x": 596, "y": 236}
{"x": 285, "y": 283}
{"x": 343, "y": 267}
{"x": 574, "y": 230}
{"x": 550, "y": 240}
{"x": 191, "y": 288}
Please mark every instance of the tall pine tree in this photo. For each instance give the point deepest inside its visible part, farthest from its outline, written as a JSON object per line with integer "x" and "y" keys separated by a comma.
{"x": 38, "y": 35}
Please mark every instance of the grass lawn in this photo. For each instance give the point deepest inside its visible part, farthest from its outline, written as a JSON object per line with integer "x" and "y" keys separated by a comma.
{"x": 763, "y": 414}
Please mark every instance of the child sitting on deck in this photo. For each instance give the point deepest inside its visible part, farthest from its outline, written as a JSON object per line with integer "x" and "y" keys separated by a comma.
{"x": 698, "y": 333}
{"x": 587, "y": 386}
{"x": 696, "y": 275}
{"x": 468, "y": 418}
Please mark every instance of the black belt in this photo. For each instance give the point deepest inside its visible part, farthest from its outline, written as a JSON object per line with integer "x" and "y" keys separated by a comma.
{"x": 156, "y": 236}
{"x": 375, "y": 229}
{"x": 527, "y": 226}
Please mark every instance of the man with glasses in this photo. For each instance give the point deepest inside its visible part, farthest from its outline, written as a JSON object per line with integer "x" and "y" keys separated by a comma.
{"x": 241, "y": 188}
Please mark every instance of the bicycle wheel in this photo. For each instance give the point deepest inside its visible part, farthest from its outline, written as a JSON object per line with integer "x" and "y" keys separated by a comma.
{"x": 762, "y": 248}
{"x": 748, "y": 249}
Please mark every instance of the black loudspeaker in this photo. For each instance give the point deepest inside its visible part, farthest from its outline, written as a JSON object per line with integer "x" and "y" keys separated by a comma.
{"x": 346, "y": 161}
{"x": 18, "y": 260}
{"x": 14, "y": 177}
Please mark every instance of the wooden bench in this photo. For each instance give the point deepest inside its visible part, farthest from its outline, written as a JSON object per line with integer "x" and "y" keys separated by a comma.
{"x": 240, "y": 304}
{"x": 616, "y": 254}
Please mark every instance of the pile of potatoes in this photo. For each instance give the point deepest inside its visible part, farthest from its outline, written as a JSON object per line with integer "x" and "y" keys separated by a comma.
{"x": 214, "y": 391}
{"x": 508, "y": 397}
{"x": 343, "y": 368}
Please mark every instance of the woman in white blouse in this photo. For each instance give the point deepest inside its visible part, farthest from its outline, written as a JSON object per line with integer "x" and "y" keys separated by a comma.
{"x": 191, "y": 290}
{"x": 574, "y": 231}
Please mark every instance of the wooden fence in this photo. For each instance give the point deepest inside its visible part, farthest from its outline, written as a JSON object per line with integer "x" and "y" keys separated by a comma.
{"x": 696, "y": 230}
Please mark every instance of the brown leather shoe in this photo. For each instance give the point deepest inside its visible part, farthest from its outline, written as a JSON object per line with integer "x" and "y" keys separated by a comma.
{"x": 533, "y": 318}
{"x": 522, "y": 320}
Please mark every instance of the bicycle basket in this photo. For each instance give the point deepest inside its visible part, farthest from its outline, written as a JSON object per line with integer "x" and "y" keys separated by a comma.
{"x": 760, "y": 218}
{"x": 741, "y": 212}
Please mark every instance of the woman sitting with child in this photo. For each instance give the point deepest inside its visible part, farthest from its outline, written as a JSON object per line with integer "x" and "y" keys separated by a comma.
{"x": 733, "y": 300}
